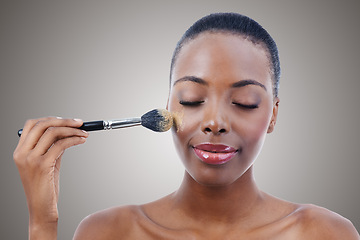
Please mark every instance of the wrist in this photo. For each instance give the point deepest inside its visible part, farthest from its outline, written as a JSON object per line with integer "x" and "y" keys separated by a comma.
{"x": 43, "y": 230}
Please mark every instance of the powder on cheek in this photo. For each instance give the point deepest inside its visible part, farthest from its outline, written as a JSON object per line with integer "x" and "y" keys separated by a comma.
{"x": 178, "y": 120}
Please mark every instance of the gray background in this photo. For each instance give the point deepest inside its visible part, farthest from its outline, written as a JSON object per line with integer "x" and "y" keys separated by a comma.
{"x": 110, "y": 59}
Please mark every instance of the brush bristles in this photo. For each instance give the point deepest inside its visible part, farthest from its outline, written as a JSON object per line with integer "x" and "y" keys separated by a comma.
{"x": 158, "y": 120}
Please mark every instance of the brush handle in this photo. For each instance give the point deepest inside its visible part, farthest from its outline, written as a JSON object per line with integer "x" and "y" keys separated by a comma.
{"x": 93, "y": 126}
{"x": 106, "y": 125}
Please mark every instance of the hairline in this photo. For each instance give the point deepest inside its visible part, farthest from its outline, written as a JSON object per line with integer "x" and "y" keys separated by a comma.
{"x": 253, "y": 40}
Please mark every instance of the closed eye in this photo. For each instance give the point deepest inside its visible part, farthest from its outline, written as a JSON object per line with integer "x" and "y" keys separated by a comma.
{"x": 246, "y": 106}
{"x": 191, "y": 103}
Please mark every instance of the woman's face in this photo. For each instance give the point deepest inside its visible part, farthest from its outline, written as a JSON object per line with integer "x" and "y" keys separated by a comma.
{"x": 221, "y": 88}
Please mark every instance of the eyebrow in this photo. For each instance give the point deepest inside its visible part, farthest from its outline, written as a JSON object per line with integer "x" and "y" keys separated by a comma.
{"x": 241, "y": 83}
{"x": 191, "y": 79}
{"x": 246, "y": 82}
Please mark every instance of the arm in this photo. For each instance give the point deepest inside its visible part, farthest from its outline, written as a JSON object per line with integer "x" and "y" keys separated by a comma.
{"x": 38, "y": 157}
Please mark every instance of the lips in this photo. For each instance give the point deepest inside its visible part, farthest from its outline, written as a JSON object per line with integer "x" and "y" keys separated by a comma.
{"x": 214, "y": 154}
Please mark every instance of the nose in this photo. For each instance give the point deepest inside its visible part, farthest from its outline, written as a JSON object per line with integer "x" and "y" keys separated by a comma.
{"x": 215, "y": 121}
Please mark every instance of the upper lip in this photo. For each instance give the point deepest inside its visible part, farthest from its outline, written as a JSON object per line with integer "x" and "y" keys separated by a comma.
{"x": 215, "y": 148}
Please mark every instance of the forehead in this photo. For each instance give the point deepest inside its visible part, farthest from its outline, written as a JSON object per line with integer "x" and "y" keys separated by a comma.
{"x": 223, "y": 56}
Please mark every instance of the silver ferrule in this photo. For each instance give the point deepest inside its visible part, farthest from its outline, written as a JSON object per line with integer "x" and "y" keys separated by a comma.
{"x": 123, "y": 123}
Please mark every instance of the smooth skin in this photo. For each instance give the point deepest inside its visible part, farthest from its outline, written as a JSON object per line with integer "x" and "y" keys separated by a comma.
{"x": 221, "y": 85}
{"x": 38, "y": 158}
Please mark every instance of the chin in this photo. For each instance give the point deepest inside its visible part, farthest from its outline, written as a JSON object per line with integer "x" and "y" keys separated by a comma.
{"x": 219, "y": 176}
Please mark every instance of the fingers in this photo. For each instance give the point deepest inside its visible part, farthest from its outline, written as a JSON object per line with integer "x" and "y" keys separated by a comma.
{"x": 53, "y": 135}
{"x": 19, "y": 152}
{"x": 29, "y": 125}
{"x": 38, "y": 158}
{"x": 56, "y": 151}
{"x": 34, "y": 130}
{"x": 45, "y": 131}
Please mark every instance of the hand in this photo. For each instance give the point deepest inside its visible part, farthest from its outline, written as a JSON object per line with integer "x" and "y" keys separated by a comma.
{"x": 38, "y": 157}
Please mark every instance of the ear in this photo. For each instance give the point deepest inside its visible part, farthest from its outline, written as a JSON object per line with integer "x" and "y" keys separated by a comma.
{"x": 274, "y": 115}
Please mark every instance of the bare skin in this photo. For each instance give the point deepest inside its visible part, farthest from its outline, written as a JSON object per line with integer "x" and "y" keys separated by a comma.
{"x": 38, "y": 158}
{"x": 218, "y": 201}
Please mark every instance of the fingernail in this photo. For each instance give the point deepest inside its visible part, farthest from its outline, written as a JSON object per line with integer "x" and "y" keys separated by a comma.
{"x": 77, "y": 120}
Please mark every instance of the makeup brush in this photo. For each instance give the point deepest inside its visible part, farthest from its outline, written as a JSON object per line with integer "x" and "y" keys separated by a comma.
{"x": 158, "y": 120}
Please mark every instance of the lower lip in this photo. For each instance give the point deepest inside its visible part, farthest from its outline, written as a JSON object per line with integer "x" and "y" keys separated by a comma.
{"x": 214, "y": 158}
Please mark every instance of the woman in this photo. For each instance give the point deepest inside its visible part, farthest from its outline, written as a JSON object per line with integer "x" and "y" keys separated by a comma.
{"x": 224, "y": 83}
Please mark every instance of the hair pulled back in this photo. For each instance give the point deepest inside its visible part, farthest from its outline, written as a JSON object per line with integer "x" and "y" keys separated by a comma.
{"x": 234, "y": 23}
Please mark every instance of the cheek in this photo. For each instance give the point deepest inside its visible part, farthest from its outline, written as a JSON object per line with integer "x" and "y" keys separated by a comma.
{"x": 186, "y": 131}
{"x": 186, "y": 120}
{"x": 186, "y": 126}
{"x": 181, "y": 137}
{"x": 254, "y": 129}
{"x": 258, "y": 127}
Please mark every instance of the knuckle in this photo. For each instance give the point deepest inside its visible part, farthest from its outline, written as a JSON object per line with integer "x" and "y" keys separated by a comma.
{"x": 17, "y": 156}
{"x": 40, "y": 123}
{"x": 50, "y": 130}
{"x": 54, "y": 132}
{"x": 25, "y": 161}
{"x": 33, "y": 121}
{"x": 37, "y": 121}
{"x": 30, "y": 122}
{"x": 61, "y": 144}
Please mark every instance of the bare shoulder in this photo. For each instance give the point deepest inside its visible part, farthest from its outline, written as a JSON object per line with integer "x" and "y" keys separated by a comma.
{"x": 107, "y": 224}
{"x": 321, "y": 223}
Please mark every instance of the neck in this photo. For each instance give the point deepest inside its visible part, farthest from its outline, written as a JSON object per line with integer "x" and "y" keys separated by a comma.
{"x": 220, "y": 203}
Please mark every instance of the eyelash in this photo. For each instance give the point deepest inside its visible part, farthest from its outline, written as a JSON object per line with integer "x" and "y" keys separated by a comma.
{"x": 191, "y": 103}
{"x": 197, "y": 103}
{"x": 250, "y": 106}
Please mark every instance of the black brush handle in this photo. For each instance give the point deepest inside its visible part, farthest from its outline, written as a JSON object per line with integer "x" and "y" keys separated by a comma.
{"x": 87, "y": 126}
{"x": 93, "y": 126}
{"x": 20, "y": 132}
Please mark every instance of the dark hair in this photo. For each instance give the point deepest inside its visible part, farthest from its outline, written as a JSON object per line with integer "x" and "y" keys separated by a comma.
{"x": 234, "y": 23}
